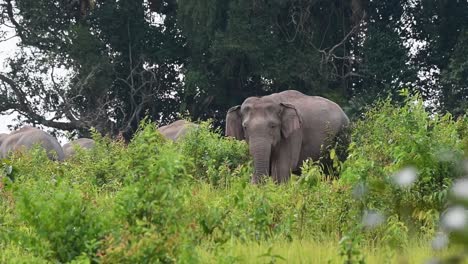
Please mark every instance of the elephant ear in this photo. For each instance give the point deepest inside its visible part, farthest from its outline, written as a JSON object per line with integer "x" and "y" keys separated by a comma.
{"x": 234, "y": 123}
{"x": 290, "y": 120}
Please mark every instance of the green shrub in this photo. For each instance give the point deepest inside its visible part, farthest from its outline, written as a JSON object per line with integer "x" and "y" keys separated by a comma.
{"x": 323, "y": 208}
{"x": 98, "y": 165}
{"x": 462, "y": 129}
{"x": 270, "y": 212}
{"x": 54, "y": 210}
{"x": 61, "y": 215}
{"x": 391, "y": 140}
{"x": 12, "y": 253}
{"x": 242, "y": 211}
{"x": 214, "y": 156}
{"x": 150, "y": 206}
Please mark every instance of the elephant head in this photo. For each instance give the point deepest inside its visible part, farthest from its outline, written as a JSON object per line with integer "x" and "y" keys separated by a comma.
{"x": 272, "y": 130}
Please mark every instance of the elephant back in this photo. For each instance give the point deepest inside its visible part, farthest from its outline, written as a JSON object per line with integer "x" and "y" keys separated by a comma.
{"x": 3, "y": 136}
{"x": 321, "y": 110}
{"x": 85, "y": 143}
{"x": 177, "y": 129}
{"x": 28, "y": 137}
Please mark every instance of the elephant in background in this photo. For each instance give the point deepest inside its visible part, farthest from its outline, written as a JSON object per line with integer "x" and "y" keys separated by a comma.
{"x": 25, "y": 138}
{"x": 177, "y": 129}
{"x": 2, "y": 135}
{"x": 84, "y": 143}
{"x": 284, "y": 129}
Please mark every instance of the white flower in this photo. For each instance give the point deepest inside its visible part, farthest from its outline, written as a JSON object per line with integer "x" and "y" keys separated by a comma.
{"x": 371, "y": 219}
{"x": 460, "y": 188}
{"x": 440, "y": 241}
{"x": 454, "y": 218}
{"x": 405, "y": 177}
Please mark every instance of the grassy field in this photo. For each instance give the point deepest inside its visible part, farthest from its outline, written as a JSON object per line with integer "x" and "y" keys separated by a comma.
{"x": 307, "y": 251}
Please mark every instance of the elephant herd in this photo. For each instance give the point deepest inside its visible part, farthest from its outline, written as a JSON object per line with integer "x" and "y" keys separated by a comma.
{"x": 27, "y": 136}
{"x": 282, "y": 130}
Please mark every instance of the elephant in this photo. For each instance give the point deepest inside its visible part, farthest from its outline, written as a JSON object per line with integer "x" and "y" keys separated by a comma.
{"x": 177, "y": 129}
{"x": 26, "y": 137}
{"x": 284, "y": 129}
{"x": 84, "y": 143}
{"x": 3, "y": 136}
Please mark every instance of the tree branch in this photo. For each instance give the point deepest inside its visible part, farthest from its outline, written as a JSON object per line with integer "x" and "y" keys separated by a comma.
{"x": 18, "y": 27}
{"x": 24, "y": 108}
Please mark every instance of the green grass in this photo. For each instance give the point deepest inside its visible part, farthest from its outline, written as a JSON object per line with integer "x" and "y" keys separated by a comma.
{"x": 307, "y": 251}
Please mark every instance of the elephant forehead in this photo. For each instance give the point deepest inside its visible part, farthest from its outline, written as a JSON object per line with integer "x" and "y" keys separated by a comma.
{"x": 259, "y": 103}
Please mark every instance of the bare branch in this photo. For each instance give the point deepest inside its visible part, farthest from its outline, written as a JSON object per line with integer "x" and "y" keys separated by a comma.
{"x": 18, "y": 27}
{"x": 328, "y": 54}
{"x": 24, "y": 108}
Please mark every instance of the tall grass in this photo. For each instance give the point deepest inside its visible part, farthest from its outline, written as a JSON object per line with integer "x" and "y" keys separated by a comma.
{"x": 311, "y": 251}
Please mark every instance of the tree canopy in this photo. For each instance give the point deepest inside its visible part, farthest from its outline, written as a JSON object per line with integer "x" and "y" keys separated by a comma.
{"x": 109, "y": 64}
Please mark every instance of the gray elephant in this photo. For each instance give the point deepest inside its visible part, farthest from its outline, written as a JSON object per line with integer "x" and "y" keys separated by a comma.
{"x": 176, "y": 130}
{"x": 26, "y": 137}
{"x": 2, "y": 135}
{"x": 284, "y": 129}
{"x": 84, "y": 143}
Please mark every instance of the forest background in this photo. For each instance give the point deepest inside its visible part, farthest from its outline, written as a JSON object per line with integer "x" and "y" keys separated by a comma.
{"x": 107, "y": 64}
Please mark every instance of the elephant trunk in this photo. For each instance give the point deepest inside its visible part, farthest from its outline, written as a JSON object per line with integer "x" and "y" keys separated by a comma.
{"x": 261, "y": 151}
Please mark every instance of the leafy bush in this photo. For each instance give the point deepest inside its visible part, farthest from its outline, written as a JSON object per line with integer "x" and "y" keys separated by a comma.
{"x": 391, "y": 146}
{"x": 271, "y": 212}
{"x": 12, "y": 253}
{"x": 50, "y": 213}
{"x": 214, "y": 157}
{"x": 62, "y": 216}
{"x": 150, "y": 206}
{"x": 99, "y": 165}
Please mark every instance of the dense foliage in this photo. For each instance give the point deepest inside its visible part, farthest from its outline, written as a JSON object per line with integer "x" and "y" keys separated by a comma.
{"x": 108, "y": 64}
{"x": 390, "y": 139}
{"x": 155, "y": 201}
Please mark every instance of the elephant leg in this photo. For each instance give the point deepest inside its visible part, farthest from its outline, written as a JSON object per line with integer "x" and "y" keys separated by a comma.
{"x": 280, "y": 167}
{"x": 285, "y": 157}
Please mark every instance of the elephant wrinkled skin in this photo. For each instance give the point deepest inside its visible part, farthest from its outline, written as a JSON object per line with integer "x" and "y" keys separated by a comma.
{"x": 284, "y": 129}
{"x": 26, "y": 138}
{"x": 177, "y": 129}
{"x": 84, "y": 143}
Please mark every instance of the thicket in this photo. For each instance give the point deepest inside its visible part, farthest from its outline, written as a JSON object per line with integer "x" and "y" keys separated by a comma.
{"x": 155, "y": 201}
